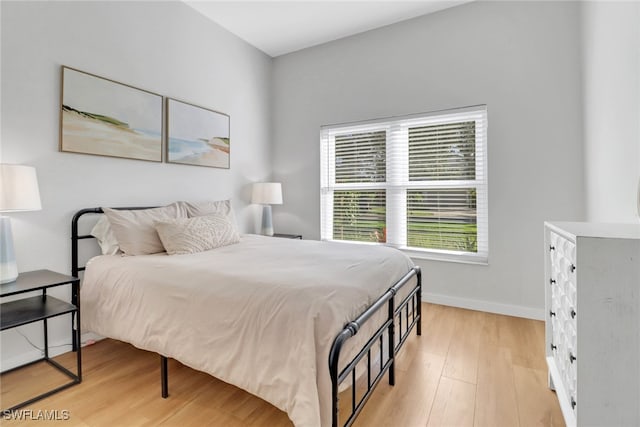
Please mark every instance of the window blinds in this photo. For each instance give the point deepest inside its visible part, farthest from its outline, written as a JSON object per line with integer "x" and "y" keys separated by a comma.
{"x": 360, "y": 157}
{"x": 444, "y": 151}
{"x": 359, "y": 215}
{"x": 417, "y": 182}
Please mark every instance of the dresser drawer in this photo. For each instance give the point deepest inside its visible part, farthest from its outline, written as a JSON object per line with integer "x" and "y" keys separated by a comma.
{"x": 562, "y": 254}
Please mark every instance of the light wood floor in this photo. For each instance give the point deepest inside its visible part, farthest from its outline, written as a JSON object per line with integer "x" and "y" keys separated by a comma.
{"x": 468, "y": 368}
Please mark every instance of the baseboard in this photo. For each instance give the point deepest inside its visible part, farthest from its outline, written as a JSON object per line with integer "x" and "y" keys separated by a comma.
{"x": 21, "y": 359}
{"x": 488, "y": 306}
{"x": 55, "y": 349}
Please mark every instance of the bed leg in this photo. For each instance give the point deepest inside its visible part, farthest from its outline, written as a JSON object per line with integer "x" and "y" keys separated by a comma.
{"x": 334, "y": 358}
{"x": 163, "y": 377}
{"x": 419, "y": 297}
{"x": 392, "y": 346}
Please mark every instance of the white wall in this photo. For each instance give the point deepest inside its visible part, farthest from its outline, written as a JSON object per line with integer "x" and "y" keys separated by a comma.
{"x": 522, "y": 59}
{"x": 163, "y": 47}
{"x": 611, "y": 91}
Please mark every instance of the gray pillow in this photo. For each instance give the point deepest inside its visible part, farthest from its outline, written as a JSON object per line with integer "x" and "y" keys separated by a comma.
{"x": 208, "y": 208}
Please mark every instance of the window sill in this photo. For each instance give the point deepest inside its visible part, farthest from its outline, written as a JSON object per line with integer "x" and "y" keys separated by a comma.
{"x": 461, "y": 258}
{"x": 431, "y": 256}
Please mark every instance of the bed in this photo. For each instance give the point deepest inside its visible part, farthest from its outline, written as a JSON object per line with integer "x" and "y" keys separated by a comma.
{"x": 300, "y": 324}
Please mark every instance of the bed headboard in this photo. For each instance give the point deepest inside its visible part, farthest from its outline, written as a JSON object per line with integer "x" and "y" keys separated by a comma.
{"x": 75, "y": 237}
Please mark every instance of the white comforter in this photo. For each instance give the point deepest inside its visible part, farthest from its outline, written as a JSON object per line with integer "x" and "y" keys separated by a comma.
{"x": 261, "y": 314}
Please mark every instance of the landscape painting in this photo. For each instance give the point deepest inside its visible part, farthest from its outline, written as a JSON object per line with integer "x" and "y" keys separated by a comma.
{"x": 197, "y": 136}
{"x": 106, "y": 118}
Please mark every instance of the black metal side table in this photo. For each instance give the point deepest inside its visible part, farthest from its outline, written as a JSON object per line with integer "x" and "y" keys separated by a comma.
{"x": 40, "y": 308}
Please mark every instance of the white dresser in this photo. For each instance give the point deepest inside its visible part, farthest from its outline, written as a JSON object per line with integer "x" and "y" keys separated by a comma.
{"x": 592, "y": 302}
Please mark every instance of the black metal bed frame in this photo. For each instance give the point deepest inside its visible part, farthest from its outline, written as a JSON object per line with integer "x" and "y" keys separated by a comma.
{"x": 410, "y": 307}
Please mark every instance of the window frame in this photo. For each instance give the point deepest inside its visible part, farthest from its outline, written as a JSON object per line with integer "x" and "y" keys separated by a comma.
{"x": 397, "y": 179}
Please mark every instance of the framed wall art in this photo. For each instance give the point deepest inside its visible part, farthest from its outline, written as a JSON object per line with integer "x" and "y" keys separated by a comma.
{"x": 107, "y": 118}
{"x": 197, "y": 136}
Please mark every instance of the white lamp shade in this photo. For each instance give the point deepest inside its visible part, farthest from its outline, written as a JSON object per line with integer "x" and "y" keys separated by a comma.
{"x": 267, "y": 193}
{"x": 18, "y": 188}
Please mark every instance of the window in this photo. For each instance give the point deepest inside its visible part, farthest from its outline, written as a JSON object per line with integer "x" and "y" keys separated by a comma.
{"x": 418, "y": 183}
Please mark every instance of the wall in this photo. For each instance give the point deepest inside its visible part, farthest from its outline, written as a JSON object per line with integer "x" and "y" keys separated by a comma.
{"x": 522, "y": 59}
{"x": 163, "y": 47}
{"x": 611, "y": 90}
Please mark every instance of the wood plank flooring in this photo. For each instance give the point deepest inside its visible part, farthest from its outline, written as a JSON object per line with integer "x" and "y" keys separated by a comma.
{"x": 468, "y": 368}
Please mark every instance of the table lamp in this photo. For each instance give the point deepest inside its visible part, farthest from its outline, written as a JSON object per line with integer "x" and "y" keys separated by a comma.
{"x": 267, "y": 194}
{"x": 18, "y": 192}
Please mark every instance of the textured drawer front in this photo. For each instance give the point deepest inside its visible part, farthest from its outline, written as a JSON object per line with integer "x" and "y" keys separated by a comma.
{"x": 591, "y": 287}
{"x": 562, "y": 255}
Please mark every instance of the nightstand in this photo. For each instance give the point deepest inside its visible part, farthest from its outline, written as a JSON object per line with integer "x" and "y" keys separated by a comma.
{"x": 288, "y": 236}
{"x": 40, "y": 308}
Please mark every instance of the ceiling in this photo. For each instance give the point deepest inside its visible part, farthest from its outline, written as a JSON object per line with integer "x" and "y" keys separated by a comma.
{"x": 280, "y": 27}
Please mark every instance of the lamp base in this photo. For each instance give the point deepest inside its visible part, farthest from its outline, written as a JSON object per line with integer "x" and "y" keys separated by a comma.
{"x": 8, "y": 268}
{"x": 267, "y": 222}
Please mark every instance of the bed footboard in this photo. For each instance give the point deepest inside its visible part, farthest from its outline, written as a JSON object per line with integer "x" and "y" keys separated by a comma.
{"x": 408, "y": 313}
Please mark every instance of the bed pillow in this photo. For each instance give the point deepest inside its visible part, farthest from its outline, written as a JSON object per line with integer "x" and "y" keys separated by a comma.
{"x": 207, "y": 208}
{"x": 135, "y": 229}
{"x": 210, "y": 207}
{"x": 104, "y": 234}
{"x": 197, "y": 234}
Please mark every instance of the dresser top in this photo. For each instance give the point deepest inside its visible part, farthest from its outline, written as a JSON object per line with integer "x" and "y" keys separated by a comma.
{"x": 596, "y": 229}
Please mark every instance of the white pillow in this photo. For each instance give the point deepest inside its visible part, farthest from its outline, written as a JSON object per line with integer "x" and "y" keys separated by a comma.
{"x": 197, "y": 234}
{"x": 208, "y": 208}
{"x": 135, "y": 229}
{"x": 104, "y": 234}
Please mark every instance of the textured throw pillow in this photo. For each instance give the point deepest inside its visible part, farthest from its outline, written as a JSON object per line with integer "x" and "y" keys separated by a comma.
{"x": 135, "y": 229}
{"x": 104, "y": 234}
{"x": 197, "y": 234}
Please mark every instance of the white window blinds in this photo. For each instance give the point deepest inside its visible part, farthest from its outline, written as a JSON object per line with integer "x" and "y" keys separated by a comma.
{"x": 418, "y": 183}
